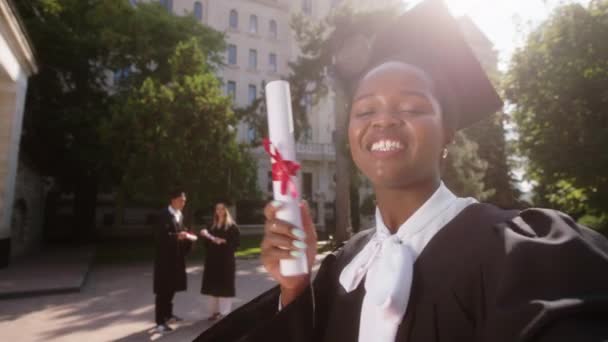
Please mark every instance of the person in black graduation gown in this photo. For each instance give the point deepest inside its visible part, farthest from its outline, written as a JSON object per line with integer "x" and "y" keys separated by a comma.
{"x": 171, "y": 248}
{"x": 436, "y": 267}
{"x": 221, "y": 241}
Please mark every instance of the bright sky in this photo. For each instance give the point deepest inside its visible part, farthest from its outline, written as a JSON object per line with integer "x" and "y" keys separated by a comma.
{"x": 499, "y": 19}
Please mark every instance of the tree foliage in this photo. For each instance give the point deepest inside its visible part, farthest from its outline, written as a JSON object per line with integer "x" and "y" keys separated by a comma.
{"x": 558, "y": 83}
{"x": 179, "y": 132}
{"x": 80, "y": 46}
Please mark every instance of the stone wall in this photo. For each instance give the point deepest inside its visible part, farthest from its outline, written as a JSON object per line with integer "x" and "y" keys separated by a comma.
{"x": 28, "y": 211}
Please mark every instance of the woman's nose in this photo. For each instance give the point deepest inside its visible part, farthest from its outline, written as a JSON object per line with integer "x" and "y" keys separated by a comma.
{"x": 385, "y": 118}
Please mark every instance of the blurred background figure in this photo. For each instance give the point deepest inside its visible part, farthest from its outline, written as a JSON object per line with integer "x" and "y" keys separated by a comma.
{"x": 221, "y": 241}
{"x": 172, "y": 246}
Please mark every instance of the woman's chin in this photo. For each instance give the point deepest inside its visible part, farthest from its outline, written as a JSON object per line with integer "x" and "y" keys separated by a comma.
{"x": 389, "y": 180}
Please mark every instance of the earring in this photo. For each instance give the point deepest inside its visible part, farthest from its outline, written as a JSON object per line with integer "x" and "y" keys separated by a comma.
{"x": 445, "y": 153}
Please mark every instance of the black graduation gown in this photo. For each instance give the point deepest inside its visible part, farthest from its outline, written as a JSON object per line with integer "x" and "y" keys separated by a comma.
{"x": 170, "y": 255}
{"x": 488, "y": 275}
{"x": 220, "y": 265}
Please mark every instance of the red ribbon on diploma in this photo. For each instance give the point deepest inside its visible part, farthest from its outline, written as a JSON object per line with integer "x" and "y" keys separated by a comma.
{"x": 282, "y": 169}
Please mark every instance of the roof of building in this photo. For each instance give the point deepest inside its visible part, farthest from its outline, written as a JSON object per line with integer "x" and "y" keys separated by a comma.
{"x": 19, "y": 40}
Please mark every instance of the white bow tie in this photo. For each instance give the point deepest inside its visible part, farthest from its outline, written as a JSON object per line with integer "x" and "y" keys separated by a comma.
{"x": 388, "y": 264}
{"x": 388, "y": 261}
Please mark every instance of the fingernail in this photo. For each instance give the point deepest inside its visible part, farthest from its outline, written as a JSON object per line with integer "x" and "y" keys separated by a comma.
{"x": 299, "y": 233}
{"x": 276, "y": 204}
{"x": 296, "y": 254}
{"x": 299, "y": 244}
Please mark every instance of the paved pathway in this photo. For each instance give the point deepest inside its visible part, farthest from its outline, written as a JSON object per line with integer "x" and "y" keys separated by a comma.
{"x": 58, "y": 269}
{"x": 116, "y": 304}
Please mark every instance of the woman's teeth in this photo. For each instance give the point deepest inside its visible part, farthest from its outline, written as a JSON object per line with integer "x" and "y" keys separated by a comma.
{"x": 386, "y": 146}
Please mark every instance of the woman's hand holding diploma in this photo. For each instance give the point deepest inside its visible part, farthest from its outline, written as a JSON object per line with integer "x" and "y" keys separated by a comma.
{"x": 284, "y": 241}
{"x": 218, "y": 241}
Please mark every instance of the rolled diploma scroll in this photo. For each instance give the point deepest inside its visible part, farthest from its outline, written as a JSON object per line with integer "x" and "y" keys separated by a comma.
{"x": 191, "y": 237}
{"x": 280, "y": 131}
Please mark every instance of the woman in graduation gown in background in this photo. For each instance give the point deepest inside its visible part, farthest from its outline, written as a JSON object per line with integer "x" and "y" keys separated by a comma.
{"x": 436, "y": 267}
{"x": 221, "y": 242}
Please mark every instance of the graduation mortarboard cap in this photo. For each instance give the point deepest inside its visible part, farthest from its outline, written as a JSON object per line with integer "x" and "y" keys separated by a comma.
{"x": 429, "y": 37}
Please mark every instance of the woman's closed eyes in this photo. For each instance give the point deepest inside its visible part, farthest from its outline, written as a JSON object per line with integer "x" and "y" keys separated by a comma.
{"x": 405, "y": 110}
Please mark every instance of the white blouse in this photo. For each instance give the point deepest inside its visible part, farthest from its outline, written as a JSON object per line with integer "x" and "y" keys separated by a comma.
{"x": 388, "y": 261}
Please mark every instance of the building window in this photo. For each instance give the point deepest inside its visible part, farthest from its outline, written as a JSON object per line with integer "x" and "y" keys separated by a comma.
{"x": 234, "y": 19}
{"x": 272, "y": 62}
{"x": 273, "y": 29}
{"x": 307, "y": 102}
{"x": 306, "y": 136}
{"x": 198, "y": 10}
{"x": 307, "y": 7}
{"x": 251, "y": 134}
{"x": 307, "y": 186}
{"x": 231, "y": 54}
{"x": 252, "y": 93}
{"x": 231, "y": 90}
{"x": 168, "y": 4}
{"x": 270, "y": 182}
{"x": 253, "y": 24}
{"x": 121, "y": 75}
{"x": 253, "y": 59}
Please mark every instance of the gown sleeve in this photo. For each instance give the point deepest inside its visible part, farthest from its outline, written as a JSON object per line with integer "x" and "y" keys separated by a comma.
{"x": 234, "y": 238}
{"x": 260, "y": 320}
{"x": 548, "y": 281}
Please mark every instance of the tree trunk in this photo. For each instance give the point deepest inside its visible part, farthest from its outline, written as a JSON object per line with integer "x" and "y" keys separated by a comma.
{"x": 119, "y": 207}
{"x": 343, "y": 167}
{"x": 85, "y": 205}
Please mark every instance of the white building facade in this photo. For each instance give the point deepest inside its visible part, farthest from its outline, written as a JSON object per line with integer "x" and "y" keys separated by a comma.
{"x": 16, "y": 65}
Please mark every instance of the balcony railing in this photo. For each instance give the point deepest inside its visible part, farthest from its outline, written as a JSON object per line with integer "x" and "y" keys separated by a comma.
{"x": 315, "y": 151}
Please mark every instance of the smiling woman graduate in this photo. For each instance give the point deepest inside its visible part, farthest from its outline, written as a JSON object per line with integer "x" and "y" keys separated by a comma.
{"x": 436, "y": 267}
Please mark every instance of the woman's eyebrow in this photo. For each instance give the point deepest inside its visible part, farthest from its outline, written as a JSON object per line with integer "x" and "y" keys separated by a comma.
{"x": 405, "y": 92}
{"x": 362, "y": 97}
{"x": 415, "y": 93}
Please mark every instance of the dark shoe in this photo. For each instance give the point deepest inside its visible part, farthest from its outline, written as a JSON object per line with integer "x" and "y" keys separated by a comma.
{"x": 163, "y": 328}
{"x": 174, "y": 319}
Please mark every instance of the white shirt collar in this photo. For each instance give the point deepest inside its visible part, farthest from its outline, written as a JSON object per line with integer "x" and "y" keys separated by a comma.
{"x": 387, "y": 263}
{"x": 424, "y": 218}
{"x": 176, "y": 213}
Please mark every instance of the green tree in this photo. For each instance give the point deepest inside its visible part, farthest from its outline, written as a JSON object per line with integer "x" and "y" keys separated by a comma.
{"x": 464, "y": 171}
{"x": 557, "y": 83}
{"x": 79, "y": 44}
{"x": 179, "y": 132}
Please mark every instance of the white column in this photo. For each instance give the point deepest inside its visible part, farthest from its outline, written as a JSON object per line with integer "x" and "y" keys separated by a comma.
{"x": 12, "y": 110}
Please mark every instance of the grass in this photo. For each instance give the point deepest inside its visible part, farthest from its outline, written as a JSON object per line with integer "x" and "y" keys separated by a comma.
{"x": 250, "y": 247}
{"x": 122, "y": 251}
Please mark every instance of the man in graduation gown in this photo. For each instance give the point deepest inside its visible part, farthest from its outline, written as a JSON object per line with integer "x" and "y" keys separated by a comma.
{"x": 172, "y": 246}
{"x": 476, "y": 272}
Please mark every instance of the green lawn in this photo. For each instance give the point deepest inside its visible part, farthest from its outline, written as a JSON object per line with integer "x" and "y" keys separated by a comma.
{"x": 142, "y": 250}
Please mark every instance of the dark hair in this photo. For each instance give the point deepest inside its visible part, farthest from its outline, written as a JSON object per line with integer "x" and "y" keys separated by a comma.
{"x": 176, "y": 192}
